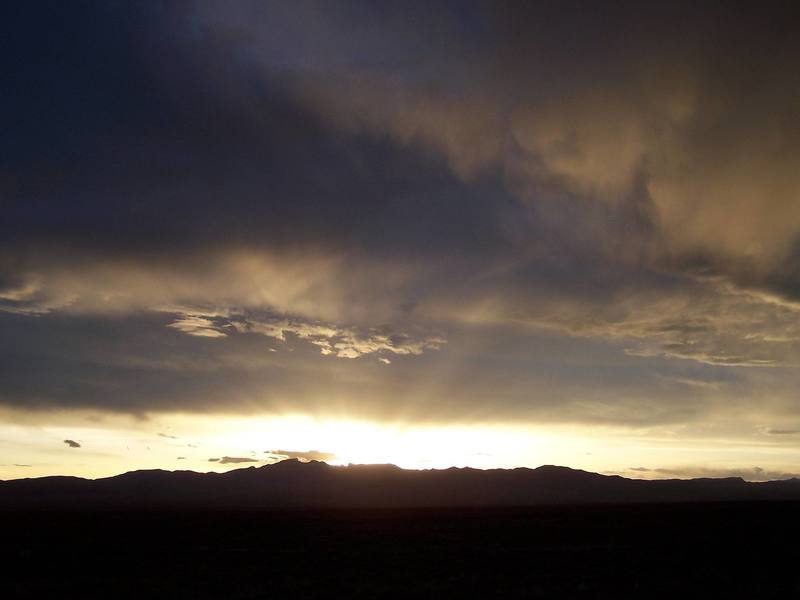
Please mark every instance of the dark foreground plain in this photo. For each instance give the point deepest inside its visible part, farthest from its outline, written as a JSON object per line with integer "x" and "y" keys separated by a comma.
{"x": 705, "y": 550}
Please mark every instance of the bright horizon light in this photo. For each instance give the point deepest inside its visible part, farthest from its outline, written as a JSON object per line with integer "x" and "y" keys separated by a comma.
{"x": 110, "y": 446}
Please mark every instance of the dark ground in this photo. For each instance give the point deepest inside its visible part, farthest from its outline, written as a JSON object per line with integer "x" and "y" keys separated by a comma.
{"x": 672, "y": 551}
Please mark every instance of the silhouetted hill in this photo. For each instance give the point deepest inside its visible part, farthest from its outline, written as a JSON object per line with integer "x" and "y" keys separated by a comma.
{"x": 314, "y": 484}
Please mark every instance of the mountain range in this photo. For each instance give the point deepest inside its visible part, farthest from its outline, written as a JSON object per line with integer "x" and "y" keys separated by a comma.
{"x": 295, "y": 484}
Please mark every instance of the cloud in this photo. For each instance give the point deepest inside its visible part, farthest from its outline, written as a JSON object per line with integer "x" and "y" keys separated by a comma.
{"x": 221, "y": 307}
{"x": 661, "y": 126}
{"x": 72, "y": 443}
{"x": 197, "y": 326}
{"x": 647, "y": 119}
{"x": 703, "y": 319}
{"x": 79, "y": 281}
{"x": 342, "y": 342}
{"x": 303, "y": 456}
{"x": 771, "y": 431}
{"x": 230, "y": 460}
{"x": 332, "y": 340}
{"x": 596, "y": 214}
{"x": 493, "y": 372}
{"x": 746, "y": 473}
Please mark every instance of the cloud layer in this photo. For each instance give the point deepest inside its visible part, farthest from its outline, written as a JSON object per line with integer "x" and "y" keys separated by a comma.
{"x": 551, "y": 211}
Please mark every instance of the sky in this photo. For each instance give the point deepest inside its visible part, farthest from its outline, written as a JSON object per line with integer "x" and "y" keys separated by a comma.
{"x": 429, "y": 233}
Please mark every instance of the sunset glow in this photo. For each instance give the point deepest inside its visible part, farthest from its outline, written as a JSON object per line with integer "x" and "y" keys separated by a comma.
{"x": 473, "y": 234}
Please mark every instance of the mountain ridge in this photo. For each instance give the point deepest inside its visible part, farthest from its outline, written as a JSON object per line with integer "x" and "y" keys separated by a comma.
{"x": 315, "y": 484}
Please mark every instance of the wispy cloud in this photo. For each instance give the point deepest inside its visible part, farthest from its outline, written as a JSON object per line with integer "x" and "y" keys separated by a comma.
{"x": 694, "y": 472}
{"x": 332, "y": 340}
{"x": 302, "y": 455}
{"x": 197, "y": 326}
{"x": 777, "y": 431}
{"x": 231, "y": 460}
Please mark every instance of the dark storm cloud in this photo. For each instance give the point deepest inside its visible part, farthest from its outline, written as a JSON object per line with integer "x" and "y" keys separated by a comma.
{"x": 669, "y": 134}
{"x": 210, "y": 206}
{"x": 72, "y": 443}
{"x": 163, "y": 150}
{"x": 685, "y": 109}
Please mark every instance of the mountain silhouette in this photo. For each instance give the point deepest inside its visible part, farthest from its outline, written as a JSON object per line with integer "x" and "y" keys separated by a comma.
{"x": 313, "y": 484}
